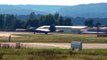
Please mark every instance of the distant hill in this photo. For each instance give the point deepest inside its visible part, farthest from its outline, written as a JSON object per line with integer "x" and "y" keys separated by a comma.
{"x": 85, "y": 10}
{"x": 27, "y": 9}
{"x": 98, "y": 10}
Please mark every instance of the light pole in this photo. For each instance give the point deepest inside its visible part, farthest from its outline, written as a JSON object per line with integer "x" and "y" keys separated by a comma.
{"x": 9, "y": 38}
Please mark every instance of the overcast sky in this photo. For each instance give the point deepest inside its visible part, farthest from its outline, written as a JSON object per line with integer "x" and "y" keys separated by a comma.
{"x": 51, "y": 2}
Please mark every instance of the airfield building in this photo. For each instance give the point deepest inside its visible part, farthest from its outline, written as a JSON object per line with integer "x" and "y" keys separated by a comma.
{"x": 95, "y": 30}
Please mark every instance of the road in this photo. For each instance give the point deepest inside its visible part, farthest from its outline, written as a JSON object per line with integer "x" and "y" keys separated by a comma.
{"x": 59, "y": 45}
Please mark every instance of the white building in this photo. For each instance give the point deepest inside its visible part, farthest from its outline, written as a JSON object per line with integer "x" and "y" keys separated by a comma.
{"x": 67, "y": 29}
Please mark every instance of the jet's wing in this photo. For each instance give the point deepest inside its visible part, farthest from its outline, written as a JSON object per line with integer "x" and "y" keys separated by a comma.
{"x": 42, "y": 30}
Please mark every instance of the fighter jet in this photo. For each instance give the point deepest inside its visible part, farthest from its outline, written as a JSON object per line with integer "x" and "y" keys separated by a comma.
{"x": 35, "y": 30}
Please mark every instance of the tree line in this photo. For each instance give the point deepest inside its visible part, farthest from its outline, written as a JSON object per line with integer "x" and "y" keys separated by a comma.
{"x": 90, "y": 23}
{"x": 11, "y": 22}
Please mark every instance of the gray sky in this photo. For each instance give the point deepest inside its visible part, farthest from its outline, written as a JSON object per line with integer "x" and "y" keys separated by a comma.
{"x": 51, "y": 2}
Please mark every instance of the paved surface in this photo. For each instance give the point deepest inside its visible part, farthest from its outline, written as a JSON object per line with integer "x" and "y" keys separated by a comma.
{"x": 64, "y": 45}
{"x": 6, "y": 34}
{"x": 58, "y": 45}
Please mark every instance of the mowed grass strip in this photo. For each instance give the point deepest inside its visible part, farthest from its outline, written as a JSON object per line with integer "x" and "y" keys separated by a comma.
{"x": 52, "y": 54}
{"x": 56, "y": 38}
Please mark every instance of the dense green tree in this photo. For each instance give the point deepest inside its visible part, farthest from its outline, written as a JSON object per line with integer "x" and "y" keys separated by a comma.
{"x": 68, "y": 22}
{"x": 33, "y": 21}
{"x": 89, "y": 22}
{"x": 1, "y": 22}
{"x": 19, "y": 24}
{"x": 50, "y": 19}
{"x": 32, "y": 15}
{"x": 43, "y": 20}
{"x": 98, "y": 24}
{"x": 61, "y": 20}
{"x": 56, "y": 15}
{"x": 36, "y": 23}
{"x": 9, "y": 22}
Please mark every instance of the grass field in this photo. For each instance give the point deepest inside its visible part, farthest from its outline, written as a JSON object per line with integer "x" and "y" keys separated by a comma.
{"x": 56, "y": 37}
{"x": 52, "y": 54}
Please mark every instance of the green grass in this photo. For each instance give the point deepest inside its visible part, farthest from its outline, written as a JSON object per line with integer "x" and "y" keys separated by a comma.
{"x": 57, "y": 38}
{"x": 52, "y": 54}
